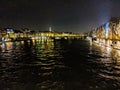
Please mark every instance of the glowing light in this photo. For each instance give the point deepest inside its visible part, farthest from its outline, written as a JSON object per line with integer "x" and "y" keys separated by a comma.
{"x": 3, "y": 45}
{"x": 9, "y": 45}
{"x": 9, "y": 30}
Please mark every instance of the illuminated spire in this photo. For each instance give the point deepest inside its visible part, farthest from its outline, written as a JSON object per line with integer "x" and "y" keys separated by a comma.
{"x": 50, "y": 29}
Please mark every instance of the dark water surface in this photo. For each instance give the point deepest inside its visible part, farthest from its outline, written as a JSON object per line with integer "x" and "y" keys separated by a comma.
{"x": 58, "y": 65}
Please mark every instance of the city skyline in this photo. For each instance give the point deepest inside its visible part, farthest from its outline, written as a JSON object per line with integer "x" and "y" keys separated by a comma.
{"x": 60, "y": 15}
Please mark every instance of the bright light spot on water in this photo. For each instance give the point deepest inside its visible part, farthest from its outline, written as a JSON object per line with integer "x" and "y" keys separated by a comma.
{"x": 3, "y": 47}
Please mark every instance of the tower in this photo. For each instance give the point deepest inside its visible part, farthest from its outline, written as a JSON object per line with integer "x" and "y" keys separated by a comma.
{"x": 50, "y": 29}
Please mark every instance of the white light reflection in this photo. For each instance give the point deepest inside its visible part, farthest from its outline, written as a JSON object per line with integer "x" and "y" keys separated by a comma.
{"x": 90, "y": 43}
{"x": 108, "y": 50}
{"x": 3, "y": 46}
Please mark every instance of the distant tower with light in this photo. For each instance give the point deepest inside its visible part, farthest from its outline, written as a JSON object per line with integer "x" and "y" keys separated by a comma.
{"x": 50, "y": 29}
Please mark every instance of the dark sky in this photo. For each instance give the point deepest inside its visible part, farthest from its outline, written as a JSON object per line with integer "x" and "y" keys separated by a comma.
{"x": 61, "y": 15}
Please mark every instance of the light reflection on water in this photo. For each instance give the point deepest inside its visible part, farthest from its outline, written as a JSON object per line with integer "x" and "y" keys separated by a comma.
{"x": 109, "y": 67}
{"x": 58, "y": 65}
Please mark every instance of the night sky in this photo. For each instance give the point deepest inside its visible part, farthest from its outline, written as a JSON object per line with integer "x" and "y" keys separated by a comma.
{"x": 61, "y": 15}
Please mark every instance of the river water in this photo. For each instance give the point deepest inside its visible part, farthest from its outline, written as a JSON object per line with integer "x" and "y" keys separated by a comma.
{"x": 72, "y": 64}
